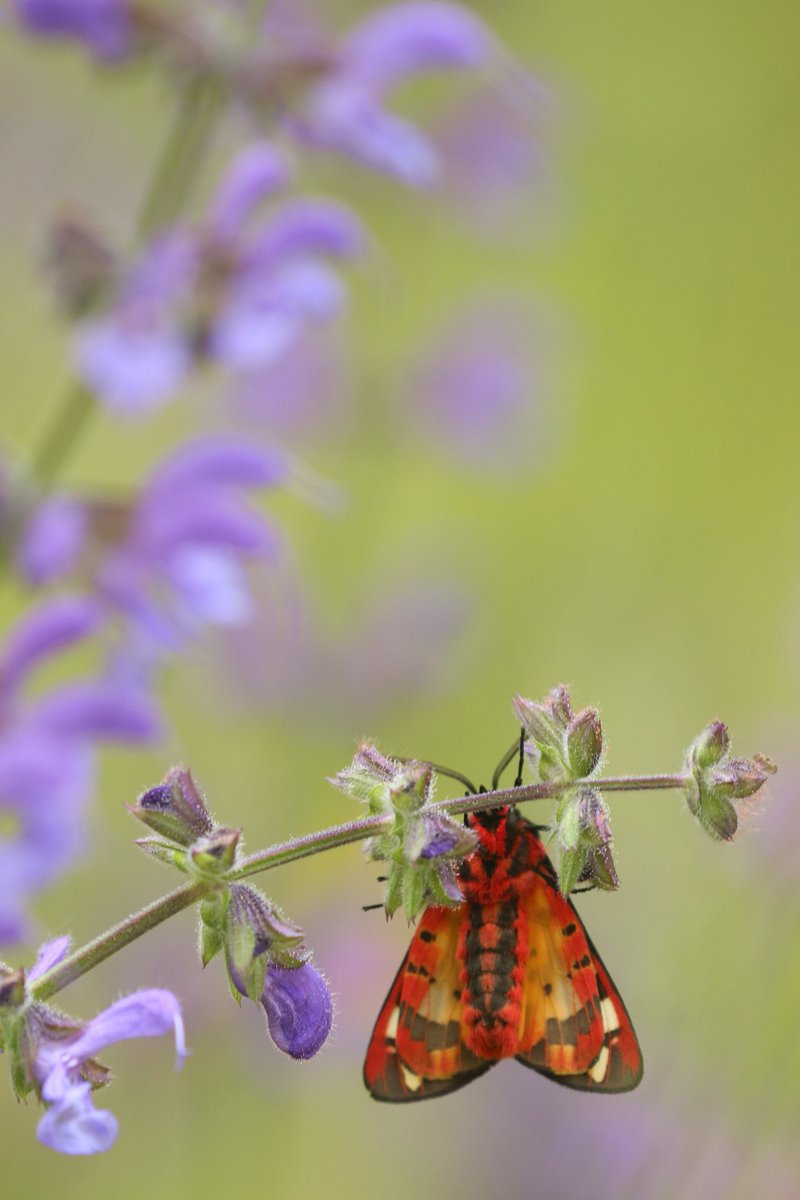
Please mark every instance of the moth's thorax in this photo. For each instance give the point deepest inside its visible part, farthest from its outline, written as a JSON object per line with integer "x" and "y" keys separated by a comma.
{"x": 500, "y": 868}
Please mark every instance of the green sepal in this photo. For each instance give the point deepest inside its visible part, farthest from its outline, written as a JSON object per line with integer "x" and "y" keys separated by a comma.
{"x": 414, "y": 892}
{"x": 213, "y": 910}
{"x": 570, "y": 867}
{"x": 166, "y": 852}
{"x": 584, "y": 743}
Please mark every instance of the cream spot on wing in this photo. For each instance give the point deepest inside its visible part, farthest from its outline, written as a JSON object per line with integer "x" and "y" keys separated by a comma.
{"x": 609, "y": 1015}
{"x": 413, "y": 1081}
{"x": 393, "y": 1022}
{"x": 598, "y": 1071}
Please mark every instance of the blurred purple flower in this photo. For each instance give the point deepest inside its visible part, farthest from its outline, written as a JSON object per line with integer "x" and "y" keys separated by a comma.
{"x": 65, "y": 1066}
{"x": 139, "y": 353}
{"x": 493, "y": 161}
{"x": 299, "y": 1009}
{"x": 302, "y": 396}
{"x": 478, "y": 391}
{"x": 344, "y": 111}
{"x": 236, "y": 289}
{"x": 106, "y": 27}
{"x": 172, "y": 560}
{"x": 47, "y": 752}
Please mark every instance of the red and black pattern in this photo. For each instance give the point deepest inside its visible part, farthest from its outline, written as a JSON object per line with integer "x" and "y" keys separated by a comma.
{"x": 511, "y": 973}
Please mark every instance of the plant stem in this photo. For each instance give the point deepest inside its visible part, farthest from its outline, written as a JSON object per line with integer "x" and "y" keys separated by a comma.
{"x": 116, "y": 938}
{"x": 128, "y": 930}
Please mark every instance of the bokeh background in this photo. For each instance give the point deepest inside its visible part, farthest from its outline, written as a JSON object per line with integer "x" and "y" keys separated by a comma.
{"x": 627, "y": 524}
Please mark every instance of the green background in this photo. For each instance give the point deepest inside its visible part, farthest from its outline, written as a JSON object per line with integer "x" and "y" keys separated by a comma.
{"x": 648, "y": 560}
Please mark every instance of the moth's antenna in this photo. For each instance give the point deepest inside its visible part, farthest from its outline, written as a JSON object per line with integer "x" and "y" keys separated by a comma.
{"x": 508, "y": 757}
{"x": 369, "y": 907}
{"x": 521, "y": 763}
{"x": 440, "y": 770}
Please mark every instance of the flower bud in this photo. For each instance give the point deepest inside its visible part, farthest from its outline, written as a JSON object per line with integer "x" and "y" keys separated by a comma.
{"x": 212, "y": 856}
{"x": 584, "y": 743}
{"x": 174, "y": 809}
{"x": 715, "y": 779}
{"x": 254, "y": 934}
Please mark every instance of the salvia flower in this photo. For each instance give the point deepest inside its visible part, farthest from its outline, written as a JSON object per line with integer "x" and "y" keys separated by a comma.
{"x": 238, "y": 288}
{"x": 171, "y": 560}
{"x": 715, "y": 780}
{"x": 107, "y": 28}
{"x": 62, "y": 1062}
{"x": 345, "y": 110}
{"x": 267, "y": 963}
{"x": 47, "y": 749}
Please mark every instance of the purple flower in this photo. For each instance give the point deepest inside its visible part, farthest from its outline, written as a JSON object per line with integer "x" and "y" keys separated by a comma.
{"x": 479, "y": 390}
{"x": 345, "y": 112}
{"x": 299, "y": 1008}
{"x": 105, "y": 27}
{"x": 47, "y": 750}
{"x": 493, "y": 159}
{"x": 172, "y": 560}
{"x": 65, "y": 1069}
{"x": 240, "y": 289}
{"x": 139, "y": 353}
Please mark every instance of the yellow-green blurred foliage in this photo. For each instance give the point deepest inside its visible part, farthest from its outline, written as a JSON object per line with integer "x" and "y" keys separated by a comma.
{"x": 648, "y": 560}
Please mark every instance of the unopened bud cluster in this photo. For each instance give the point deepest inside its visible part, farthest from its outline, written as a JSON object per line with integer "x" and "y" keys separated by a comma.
{"x": 716, "y": 780}
{"x": 561, "y": 746}
{"x": 420, "y": 843}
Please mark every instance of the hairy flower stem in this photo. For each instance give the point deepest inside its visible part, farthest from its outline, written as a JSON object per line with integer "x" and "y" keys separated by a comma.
{"x": 106, "y": 944}
{"x": 170, "y": 182}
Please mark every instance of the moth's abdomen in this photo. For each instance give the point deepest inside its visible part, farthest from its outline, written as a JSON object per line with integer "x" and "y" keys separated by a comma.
{"x": 493, "y": 948}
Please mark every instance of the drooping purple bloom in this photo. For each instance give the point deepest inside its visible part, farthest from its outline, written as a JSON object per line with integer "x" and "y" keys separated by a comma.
{"x": 105, "y": 27}
{"x": 299, "y": 1008}
{"x": 345, "y": 112}
{"x": 47, "y": 750}
{"x": 65, "y": 1069}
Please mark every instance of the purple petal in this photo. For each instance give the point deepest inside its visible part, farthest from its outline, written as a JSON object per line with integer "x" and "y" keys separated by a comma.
{"x": 208, "y": 518}
{"x": 263, "y": 316}
{"x": 211, "y": 585}
{"x": 133, "y": 360}
{"x": 73, "y": 1126}
{"x": 50, "y": 627}
{"x": 402, "y": 39}
{"x": 214, "y": 460}
{"x": 255, "y": 173}
{"x": 98, "y": 710}
{"x": 52, "y": 540}
{"x": 299, "y": 1009}
{"x": 345, "y": 116}
{"x": 306, "y": 226}
{"x": 104, "y": 26}
{"x": 49, "y": 955}
{"x": 146, "y": 1013}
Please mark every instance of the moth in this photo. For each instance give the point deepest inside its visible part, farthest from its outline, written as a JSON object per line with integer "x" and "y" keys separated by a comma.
{"x": 510, "y": 973}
